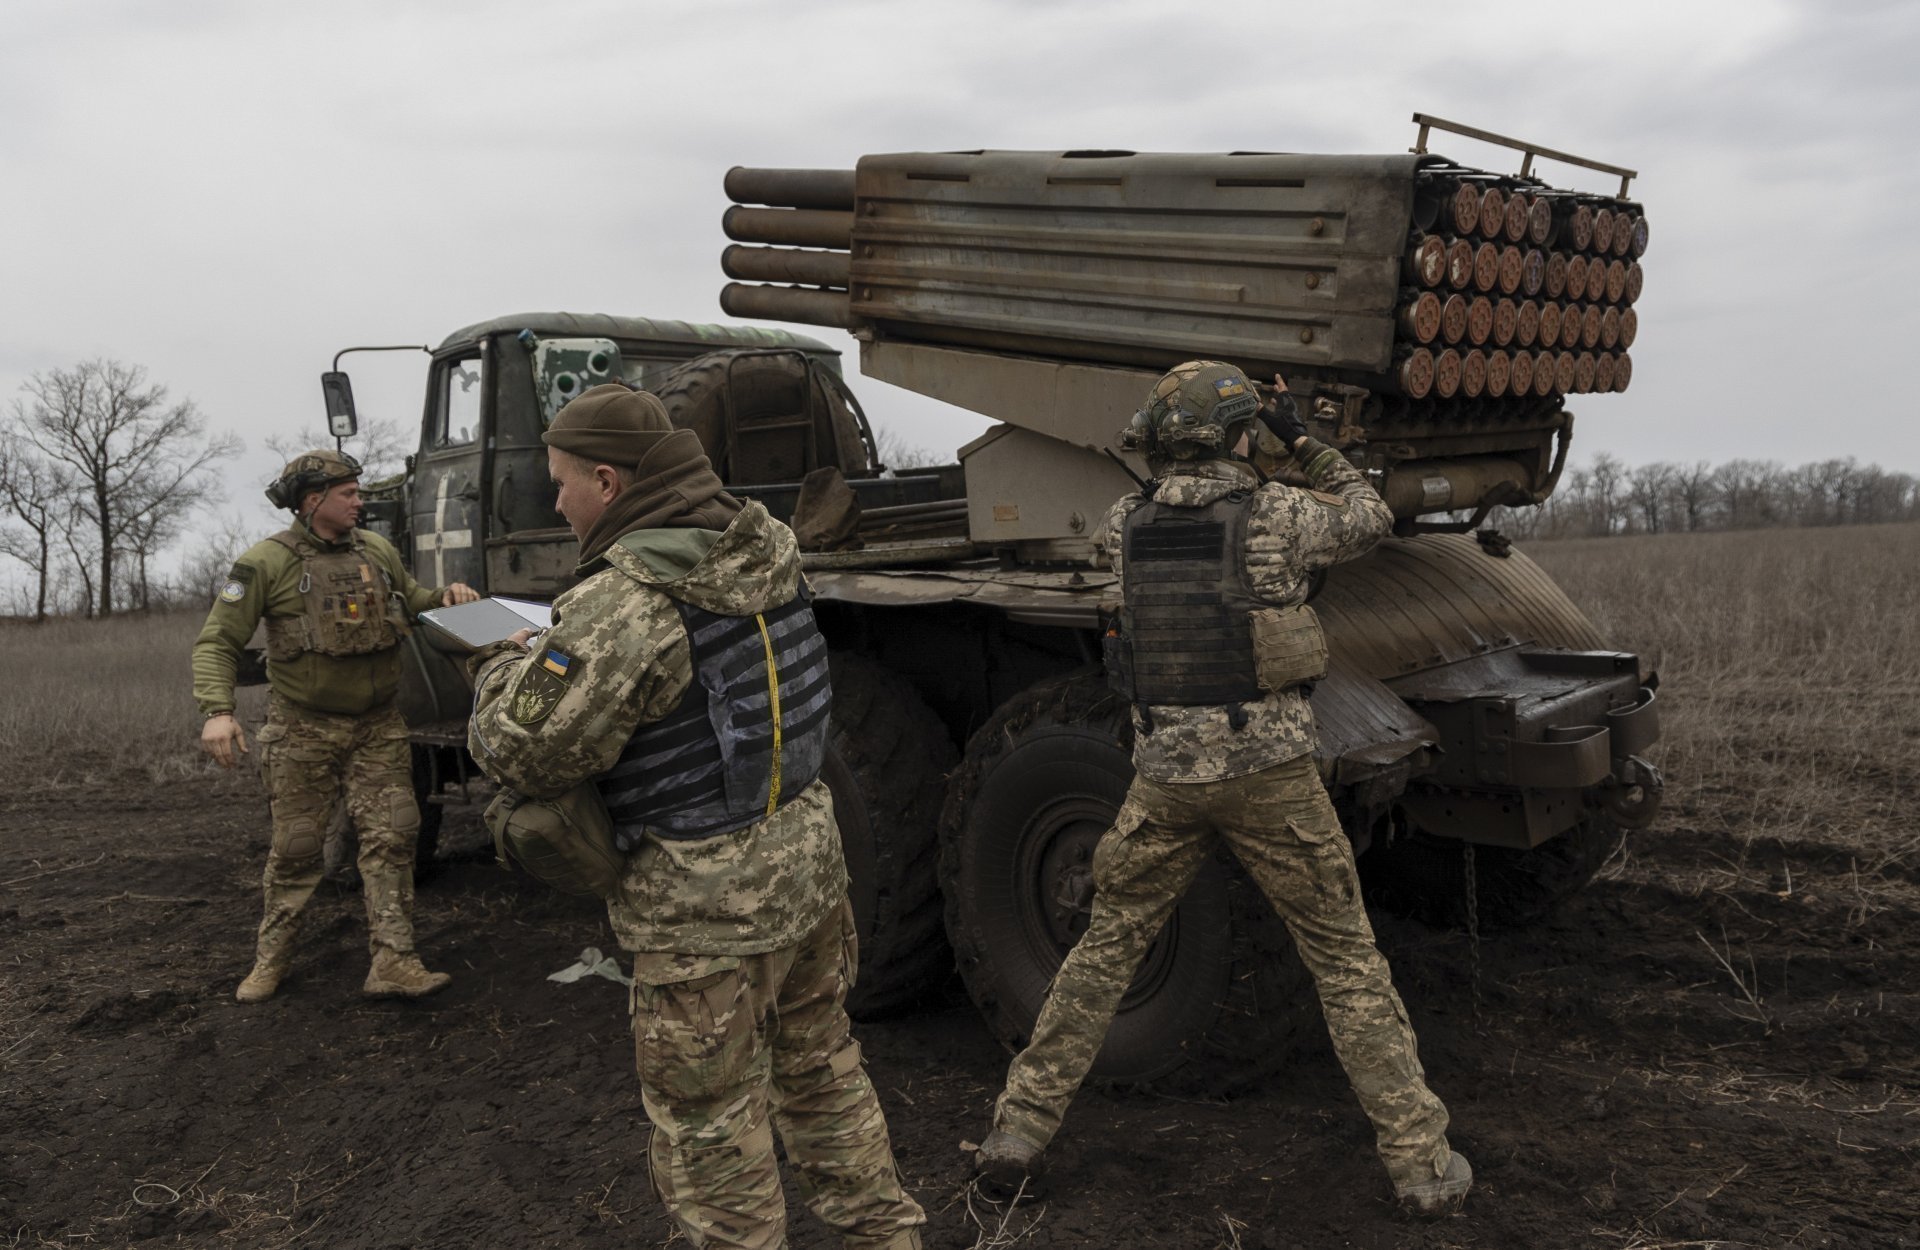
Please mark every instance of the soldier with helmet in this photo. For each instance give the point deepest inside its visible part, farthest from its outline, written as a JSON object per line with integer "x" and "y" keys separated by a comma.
{"x": 337, "y": 604}
{"x": 1216, "y": 650}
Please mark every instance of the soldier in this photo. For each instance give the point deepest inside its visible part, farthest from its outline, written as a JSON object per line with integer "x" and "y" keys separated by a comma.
{"x": 337, "y": 603}
{"x": 686, "y": 679}
{"x": 1215, "y": 645}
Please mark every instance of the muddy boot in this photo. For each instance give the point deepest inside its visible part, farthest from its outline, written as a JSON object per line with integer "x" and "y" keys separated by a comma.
{"x": 273, "y": 954}
{"x": 401, "y": 976}
{"x": 261, "y": 982}
{"x": 1008, "y": 1168}
{"x": 1432, "y": 1196}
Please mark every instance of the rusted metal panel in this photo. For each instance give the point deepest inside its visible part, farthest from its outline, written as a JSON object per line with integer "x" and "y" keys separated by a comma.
{"x": 1420, "y": 603}
{"x": 1065, "y": 599}
{"x": 1084, "y": 404}
{"x": 1023, "y": 487}
{"x": 1251, "y": 258}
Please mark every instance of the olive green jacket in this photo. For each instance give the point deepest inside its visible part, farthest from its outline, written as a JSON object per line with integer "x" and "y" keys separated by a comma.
{"x": 265, "y": 581}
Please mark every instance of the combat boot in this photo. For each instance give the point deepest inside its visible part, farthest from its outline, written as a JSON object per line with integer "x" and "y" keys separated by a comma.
{"x": 271, "y": 958}
{"x": 1008, "y": 1168}
{"x": 1434, "y": 1196}
{"x": 394, "y": 975}
{"x": 261, "y": 982}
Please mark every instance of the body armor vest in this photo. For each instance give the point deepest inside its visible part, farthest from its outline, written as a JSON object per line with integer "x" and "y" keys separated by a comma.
{"x": 1184, "y": 635}
{"x": 348, "y": 603}
{"x": 748, "y": 736}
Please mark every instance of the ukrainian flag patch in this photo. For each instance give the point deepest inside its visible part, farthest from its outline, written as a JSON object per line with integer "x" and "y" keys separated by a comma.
{"x": 558, "y": 663}
{"x": 1227, "y": 388}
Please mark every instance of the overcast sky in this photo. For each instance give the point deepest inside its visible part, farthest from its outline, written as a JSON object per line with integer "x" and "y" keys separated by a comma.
{"x": 229, "y": 193}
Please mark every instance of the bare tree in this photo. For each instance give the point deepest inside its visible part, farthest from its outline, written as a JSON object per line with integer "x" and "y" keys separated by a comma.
{"x": 899, "y": 455}
{"x": 1648, "y": 488}
{"x": 219, "y": 541}
{"x": 1693, "y": 483}
{"x": 73, "y": 526}
{"x": 1607, "y": 477}
{"x": 33, "y": 498}
{"x": 381, "y": 446}
{"x": 131, "y": 453}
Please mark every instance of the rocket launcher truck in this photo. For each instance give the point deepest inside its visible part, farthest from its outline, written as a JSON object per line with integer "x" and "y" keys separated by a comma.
{"x": 1484, "y": 747}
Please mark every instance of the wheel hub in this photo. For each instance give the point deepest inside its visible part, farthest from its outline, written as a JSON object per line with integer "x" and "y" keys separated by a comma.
{"x": 1056, "y": 862}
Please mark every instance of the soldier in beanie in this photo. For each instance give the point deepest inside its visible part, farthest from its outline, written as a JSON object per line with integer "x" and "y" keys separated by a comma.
{"x": 337, "y": 603}
{"x": 685, "y": 681}
{"x": 1216, "y": 649}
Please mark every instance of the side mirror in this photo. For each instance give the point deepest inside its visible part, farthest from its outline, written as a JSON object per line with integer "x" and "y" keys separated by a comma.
{"x": 342, "y": 421}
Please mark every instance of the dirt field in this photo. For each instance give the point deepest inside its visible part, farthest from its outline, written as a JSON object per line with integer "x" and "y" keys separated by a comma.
{"x": 1717, "y": 1045}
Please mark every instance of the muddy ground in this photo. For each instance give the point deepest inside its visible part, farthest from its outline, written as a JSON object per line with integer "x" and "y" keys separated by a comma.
{"x": 1620, "y": 1085}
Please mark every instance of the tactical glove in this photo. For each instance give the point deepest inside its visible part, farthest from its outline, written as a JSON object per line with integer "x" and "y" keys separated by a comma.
{"x": 1282, "y": 418}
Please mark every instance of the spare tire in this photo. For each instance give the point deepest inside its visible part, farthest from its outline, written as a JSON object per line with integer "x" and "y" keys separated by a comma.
{"x": 887, "y": 767}
{"x": 759, "y": 393}
{"x": 1220, "y": 995}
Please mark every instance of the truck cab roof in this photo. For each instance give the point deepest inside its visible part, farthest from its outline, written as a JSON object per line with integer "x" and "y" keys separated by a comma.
{"x": 635, "y": 329}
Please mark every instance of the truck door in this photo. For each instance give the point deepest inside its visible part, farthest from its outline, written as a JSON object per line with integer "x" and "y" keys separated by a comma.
{"x": 447, "y": 517}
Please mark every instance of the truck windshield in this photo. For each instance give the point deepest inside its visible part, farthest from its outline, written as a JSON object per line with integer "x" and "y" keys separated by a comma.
{"x": 457, "y": 404}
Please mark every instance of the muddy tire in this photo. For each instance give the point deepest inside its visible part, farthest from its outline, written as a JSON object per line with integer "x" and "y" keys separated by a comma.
{"x": 700, "y": 394}
{"x": 887, "y": 766}
{"x": 1424, "y": 876}
{"x": 1220, "y": 995}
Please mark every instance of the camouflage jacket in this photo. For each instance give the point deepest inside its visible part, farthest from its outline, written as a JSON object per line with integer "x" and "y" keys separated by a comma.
{"x": 1291, "y": 533}
{"x": 265, "y": 581}
{"x": 617, "y": 658}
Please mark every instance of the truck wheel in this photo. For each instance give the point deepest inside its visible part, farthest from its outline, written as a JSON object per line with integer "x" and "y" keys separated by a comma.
{"x": 707, "y": 392}
{"x": 887, "y": 765}
{"x": 1220, "y": 995}
{"x": 1421, "y": 875}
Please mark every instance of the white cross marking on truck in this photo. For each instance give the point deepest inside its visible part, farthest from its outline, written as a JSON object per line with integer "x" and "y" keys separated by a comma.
{"x": 442, "y": 539}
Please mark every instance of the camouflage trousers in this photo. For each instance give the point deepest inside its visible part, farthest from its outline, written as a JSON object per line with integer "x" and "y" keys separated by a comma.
{"x": 1282, "y": 827}
{"x": 306, "y": 759}
{"x": 731, "y": 1048}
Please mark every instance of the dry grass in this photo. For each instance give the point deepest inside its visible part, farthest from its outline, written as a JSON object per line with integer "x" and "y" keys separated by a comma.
{"x": 89, "y": 700}
{"x": 1790, "y": 676}
{"x": 1790, "y": 663}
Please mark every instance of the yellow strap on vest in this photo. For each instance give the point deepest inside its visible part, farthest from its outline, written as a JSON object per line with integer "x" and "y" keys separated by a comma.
{"x": 773, "y": 707}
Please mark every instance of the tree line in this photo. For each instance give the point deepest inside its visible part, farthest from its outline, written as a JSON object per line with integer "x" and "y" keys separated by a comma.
{"x": 99, "y": 473}
{"x": 1608, "y": 497}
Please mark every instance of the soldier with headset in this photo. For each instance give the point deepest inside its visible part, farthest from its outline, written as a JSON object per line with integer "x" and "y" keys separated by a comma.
{"x": 1215, "y": 648}
{"x": 337, "y": 604}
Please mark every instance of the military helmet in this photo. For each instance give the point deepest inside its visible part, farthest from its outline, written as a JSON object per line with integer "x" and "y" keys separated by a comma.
{"x": 1193, "y": 412}
{"x": 310, "y": 471}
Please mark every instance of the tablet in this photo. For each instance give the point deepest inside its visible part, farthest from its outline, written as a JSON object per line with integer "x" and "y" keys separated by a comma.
{"x": 471, "y": 626}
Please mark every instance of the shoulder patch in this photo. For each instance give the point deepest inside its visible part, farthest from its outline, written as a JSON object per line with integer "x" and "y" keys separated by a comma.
{"x": 242, "y": 573}
{"x": 538, "y": 695}
{"x": 1329, "y": 499}
{"x": 234, "y": 590}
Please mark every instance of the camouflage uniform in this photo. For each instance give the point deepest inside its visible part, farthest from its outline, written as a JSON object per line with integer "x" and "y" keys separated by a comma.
{"x": 742, "y": 942}
{"x": 1199, "y": 781}
{"x": 331, "y": 724}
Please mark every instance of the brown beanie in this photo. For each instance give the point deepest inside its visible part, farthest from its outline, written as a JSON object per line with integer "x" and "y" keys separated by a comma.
{"x": 610, "y": 424}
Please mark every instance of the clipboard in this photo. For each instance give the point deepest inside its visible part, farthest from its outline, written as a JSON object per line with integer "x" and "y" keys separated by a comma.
{"x": 468, "y": 627}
